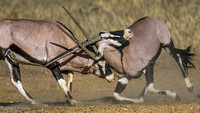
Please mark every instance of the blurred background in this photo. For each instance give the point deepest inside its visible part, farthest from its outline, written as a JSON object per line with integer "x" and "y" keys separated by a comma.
{"x": 182, "y": 17}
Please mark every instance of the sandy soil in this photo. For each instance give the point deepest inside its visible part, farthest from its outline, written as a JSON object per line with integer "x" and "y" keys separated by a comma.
{"x": 95, "y": 94}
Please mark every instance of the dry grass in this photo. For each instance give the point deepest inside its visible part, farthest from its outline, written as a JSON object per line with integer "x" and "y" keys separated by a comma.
{"x": 181, "y": 16}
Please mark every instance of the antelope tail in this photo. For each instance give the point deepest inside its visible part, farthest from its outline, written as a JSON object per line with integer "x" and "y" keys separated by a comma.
{"x": 186, "y": 56}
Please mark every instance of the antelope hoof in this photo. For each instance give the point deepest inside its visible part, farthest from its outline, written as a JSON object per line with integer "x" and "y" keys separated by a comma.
{"x": 191, "y": 89}
{"x": 138, "y": 100}
{"x": 72, "y": 102}
{"x": 35, "y": 102}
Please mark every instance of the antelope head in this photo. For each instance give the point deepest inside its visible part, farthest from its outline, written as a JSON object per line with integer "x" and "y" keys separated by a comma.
{"x": 116, "y": 38}
{"x": 113, "y": 38}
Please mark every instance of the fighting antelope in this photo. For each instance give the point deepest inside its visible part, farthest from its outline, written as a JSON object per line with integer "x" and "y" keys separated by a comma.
{"x": 30, "y": 42}
{"x": 140, "y": 54}
{"x": 108, "y": 41}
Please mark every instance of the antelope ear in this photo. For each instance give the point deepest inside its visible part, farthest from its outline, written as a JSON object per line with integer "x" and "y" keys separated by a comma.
{"x": 128, "y": 34}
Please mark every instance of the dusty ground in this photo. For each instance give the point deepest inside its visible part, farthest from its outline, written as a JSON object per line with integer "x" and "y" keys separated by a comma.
{"x": 95, "y": 94}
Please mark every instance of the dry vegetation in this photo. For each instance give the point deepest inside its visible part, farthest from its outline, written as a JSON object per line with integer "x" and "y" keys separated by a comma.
{"x": 182, "y": 17}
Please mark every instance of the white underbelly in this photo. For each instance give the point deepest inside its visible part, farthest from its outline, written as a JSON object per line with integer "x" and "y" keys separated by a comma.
{"x": 20, "y": 59}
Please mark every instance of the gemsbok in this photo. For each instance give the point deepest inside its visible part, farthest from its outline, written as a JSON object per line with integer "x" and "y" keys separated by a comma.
{"x": 33, "y": 42}
{"x": 139, "y": 55}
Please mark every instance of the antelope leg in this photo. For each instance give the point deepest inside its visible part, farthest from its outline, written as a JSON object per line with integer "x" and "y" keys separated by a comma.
{"x": 70, "y": 79}
{"x": 150, "y": 86}
{"x": 61, "y": 81}
{"x": 177, "y": 56}
{"x": 16, "y": 79}
{"x": 121, "y": 85}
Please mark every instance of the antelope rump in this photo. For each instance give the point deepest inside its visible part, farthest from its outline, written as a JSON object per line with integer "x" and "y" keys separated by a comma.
{"x": 139, "y": 55}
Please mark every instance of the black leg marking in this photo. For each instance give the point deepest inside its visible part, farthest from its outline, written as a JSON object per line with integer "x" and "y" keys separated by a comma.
{"x": 16, "y": 79}
{"x": 121, "y": 85}
{"x": 58, "y": 76}
{"x": 149, "y": 77}
{"x": 56, "y": 72}
{"x": 101, "y": 71}
{"x": 163, "y": 92}
{"x": 107, "y": 69}
{"x": 70, "y": 87}
{"x": 173, "y": 53}
{"x": 70, "y": 80}
{"x": 177, "y": 54}
{"x": 150, "y": 86}
{"x": 149, "y": 72}
{"x": 120, "y": 88}
{"x": 69, "y": 95}
{"x": 16, "y": 73}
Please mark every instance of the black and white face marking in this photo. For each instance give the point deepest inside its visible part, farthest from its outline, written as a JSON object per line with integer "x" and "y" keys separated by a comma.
{"x": 125, "y": 34}
{"x": 117, "y": 37}
{"x": 114, "y": 38}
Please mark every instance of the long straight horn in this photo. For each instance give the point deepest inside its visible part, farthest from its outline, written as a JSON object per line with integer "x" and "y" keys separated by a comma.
{"x": 76, "y": 22}
{"x": 72, "y": 50}
{"x": 92, "y": 55}
{"x": 80, "y": 27}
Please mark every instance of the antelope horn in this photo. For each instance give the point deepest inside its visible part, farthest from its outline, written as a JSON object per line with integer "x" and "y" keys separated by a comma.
{"x": 76, "y": 22}
{"x": 80, "y": 27}
{"x": 92, "y": 55}
{"x": 72, "y": 50}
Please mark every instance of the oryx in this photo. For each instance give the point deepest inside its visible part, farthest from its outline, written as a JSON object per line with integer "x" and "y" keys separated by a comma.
{"x": 139, "y": 55}
{"x": 30, "y": 42}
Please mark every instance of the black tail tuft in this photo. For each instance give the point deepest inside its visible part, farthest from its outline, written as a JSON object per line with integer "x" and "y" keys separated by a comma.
{"x": 186, "y": 56}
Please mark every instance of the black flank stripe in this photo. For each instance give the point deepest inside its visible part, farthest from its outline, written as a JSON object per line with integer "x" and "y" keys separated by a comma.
{"x": 19, "y": 51}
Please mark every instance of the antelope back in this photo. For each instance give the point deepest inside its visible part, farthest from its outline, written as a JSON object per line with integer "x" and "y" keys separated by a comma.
{"x": 149, "y": 35}
{"x": 32, "y": 38}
